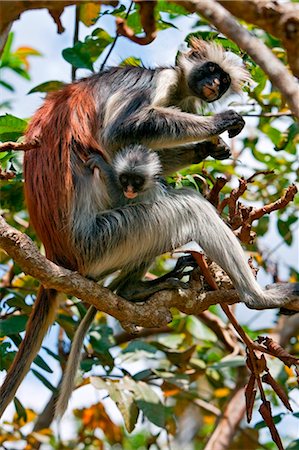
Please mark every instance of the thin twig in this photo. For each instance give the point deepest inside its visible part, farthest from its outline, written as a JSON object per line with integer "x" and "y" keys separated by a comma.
{"x": 76, "y": 37}
{"x": 115, "y": 40}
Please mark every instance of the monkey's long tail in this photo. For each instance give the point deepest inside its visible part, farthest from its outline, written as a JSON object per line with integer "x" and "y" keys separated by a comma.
{"x": 73, "y": 362}
{"x": 42, "y": 317}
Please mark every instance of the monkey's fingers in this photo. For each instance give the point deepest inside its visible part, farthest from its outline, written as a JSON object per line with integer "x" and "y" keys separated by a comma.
{"x": 237, "y": 128}
{"x": 232, "y": 132}
{"x": 231, "y": 121}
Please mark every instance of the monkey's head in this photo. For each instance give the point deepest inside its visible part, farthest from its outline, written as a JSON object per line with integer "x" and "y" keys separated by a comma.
{"x": 210, "y": 71}
{"x": 137, "y": 170}
{"x": 208, "y": 81}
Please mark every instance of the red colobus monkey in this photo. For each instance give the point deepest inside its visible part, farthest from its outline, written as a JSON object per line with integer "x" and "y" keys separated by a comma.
{"x": 70, "y": 213}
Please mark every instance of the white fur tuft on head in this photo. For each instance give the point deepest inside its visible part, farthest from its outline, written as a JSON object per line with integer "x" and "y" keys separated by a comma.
{"x": 203, "y": 51}
{"x": 137, "y": 158}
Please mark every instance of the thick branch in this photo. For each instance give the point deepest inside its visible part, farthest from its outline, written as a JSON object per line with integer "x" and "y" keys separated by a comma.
{"x": 229, "y": 421}
{"x": 153, "y": 313}
{"x": 20, "y": 146}
{"x": 258, "y": 51}
{"x": 279, "y": 19}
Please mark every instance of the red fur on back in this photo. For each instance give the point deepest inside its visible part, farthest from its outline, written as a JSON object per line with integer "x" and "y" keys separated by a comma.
{"x": 66, "y": 121}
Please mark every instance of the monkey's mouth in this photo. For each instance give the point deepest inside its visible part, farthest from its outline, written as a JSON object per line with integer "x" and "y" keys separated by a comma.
{"x": 130, "y": 194}
{"x": 210, "y": 93}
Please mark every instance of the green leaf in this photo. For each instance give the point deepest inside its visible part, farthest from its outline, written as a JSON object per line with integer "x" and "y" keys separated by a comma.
{"x": 139, "y": 345}
{"x": 293, "y": 445}
{"x": 84, "y": 54}
{"x": 163, "y": 25}
{"x": 284, "y": 230}
{"x": 7, "y": 49}
{"x": 171, "y": 8}
{"x": 7, "y": 86}
{"x": 131, "y": 61}
{"x": 263, "y": 225}
{"x": 260, "y": 78}
{"x": 13, "y": 325}
{"x": 128, "y": 408}
{"x": 236, "y": 361}
{"x": 49, "y": 86}
{"x": 148, "y": 401}
{"x": 44, "y": 381}
{"x": 11, "y": 127}
{"x": 199, "y": 330}
{"x": 133, "y": 21}
{"x": 155, "y": 413}
{"x": 123, "y": 398}
{"x": 38, "y": 360}
{"x": 78, "y": 56}
{"x": 50, "y": 353}
{"x": 21, "y": 411}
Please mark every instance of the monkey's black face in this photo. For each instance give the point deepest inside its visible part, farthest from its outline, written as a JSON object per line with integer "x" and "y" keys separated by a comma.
{"x": 208, "y": 81}
{"x": 132, "y": 184}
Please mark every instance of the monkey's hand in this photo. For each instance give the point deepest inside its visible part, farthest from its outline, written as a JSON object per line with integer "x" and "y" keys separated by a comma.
{"x": 217, "y": 148}
{"x": 95, "y": 161}
{"x": 229, "y": 121}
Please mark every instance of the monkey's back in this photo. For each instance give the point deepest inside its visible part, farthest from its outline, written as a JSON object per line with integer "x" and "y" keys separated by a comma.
{"x": 66, "y": 126}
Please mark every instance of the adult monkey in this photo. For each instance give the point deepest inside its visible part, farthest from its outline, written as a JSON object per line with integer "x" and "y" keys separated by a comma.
{"x": 69, "y": 211}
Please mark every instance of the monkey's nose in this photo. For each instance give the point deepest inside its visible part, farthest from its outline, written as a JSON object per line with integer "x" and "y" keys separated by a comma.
{"x": 129, "y": 193}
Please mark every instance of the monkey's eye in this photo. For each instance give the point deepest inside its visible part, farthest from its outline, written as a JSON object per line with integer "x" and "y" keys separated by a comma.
{"x": 224, "y": 80}
{"x": 138, "y": 181}
{"x": 123, "y": 179}
{"x": 211, "y": 68}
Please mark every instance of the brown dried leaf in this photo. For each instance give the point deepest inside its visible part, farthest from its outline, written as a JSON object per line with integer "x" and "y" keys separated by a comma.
{"x": 278, "y": 351}
{"x": 267, "y": 378}
{"x": 261, "y": 364}
{"x": 266, "y": 413}
{"x": 250, "y": 394}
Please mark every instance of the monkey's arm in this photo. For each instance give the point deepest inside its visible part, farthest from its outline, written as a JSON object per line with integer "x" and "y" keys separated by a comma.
{"x": 159, "y": 127}
{"x": 96, "y": 161}
{"x": 177, "y": 158}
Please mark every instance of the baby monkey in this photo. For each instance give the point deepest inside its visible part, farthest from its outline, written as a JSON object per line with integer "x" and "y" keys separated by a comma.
{"x": 134, "y": 175}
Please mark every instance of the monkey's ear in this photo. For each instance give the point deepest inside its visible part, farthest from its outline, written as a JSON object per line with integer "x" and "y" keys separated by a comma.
{"x": 198, "y": 48}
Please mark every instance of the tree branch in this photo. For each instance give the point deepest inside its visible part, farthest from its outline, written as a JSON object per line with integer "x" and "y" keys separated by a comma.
{"x": 229, "y": 421}
{"x": 19, "y": 146}
{"x": 153, "y": 313}
{"x": 259, "y": 52}
{"x": 279, "y": 19}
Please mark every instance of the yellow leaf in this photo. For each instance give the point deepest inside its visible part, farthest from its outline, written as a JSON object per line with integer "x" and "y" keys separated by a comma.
{"x": 209, "y": 419}
{"x": 259, "y": 259}
{"x": 221, "y": 392}
{"x": 27, "y": 51}
{"x": 289, "y": 371}
{"x": 89, "y": 13}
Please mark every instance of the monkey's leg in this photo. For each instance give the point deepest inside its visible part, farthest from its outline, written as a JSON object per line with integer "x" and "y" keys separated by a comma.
{"x": 165, "y": 127}
{"x": 126, "y": 237}
{"x": 130, "y": 286}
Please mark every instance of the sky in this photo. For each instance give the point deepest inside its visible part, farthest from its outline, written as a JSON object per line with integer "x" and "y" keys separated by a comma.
{"x": 37, "y": 29}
